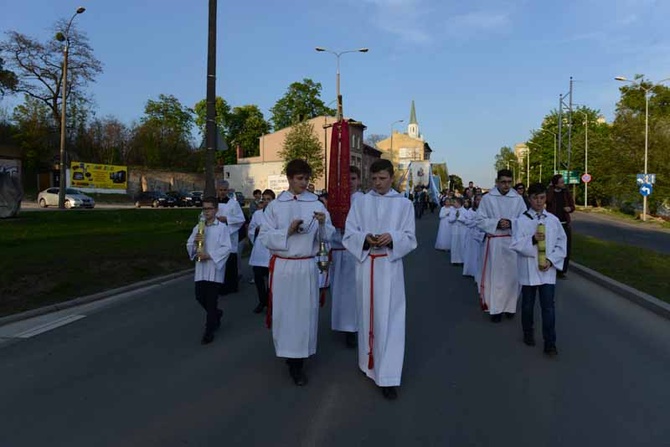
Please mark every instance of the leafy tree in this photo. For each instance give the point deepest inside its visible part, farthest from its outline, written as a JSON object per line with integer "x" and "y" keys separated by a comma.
{"x": 36, "y": 133}
{"x": 38, "y": 66}
{"x": 505, "y": 159}
{"x": 246, "y": 124}
{"x": 109, "y": 139}
{"x": 455, "y": 183}
{"x": 8, "y": 80}
{"x": 302, "y": 142}
{"x": 302, "y": 101}
{"x": 375, "y": 138}
{"x": 163, "y": 139}
{"x": 223, "y": 112}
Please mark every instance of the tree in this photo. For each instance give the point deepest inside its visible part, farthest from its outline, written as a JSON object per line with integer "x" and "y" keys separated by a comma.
{"x": 302, "y": 101}
{"x": 8, "y": 80}
{"x": 505, "y": 159}
{"x": 375, "y": 138}
{"x": 301, "y": 142}
{"x": 109, "y": 139}
{"x": 38, "y": 66}
{"x": 163, "y": 139}
{"x": 223, "y": 111}
{"x": 455, "y": 183}
{"x": 246, "y": 124}
{"x": 35, "y": 132}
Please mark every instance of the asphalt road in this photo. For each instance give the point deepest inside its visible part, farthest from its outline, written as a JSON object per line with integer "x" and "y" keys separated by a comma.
{"x": 132, "y": 373}
{"x": 623, "y": 232}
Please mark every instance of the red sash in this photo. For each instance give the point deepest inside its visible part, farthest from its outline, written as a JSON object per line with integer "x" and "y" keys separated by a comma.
{"x": 273, "y": 260}
{"x": 371, "y": 332}
{"x": 482, "y": 280}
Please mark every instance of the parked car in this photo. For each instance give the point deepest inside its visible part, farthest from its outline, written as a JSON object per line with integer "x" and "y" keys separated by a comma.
{"x": 73, "y": 198}
{"x": 185, "y": 198}
{"x": 154, "y": 199}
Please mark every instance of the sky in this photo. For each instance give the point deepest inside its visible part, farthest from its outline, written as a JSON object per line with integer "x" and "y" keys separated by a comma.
{"x": 483, "y": 73}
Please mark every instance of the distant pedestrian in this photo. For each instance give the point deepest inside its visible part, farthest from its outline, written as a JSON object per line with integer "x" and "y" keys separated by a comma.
{"x": 541, "y": 253}
{"x": 253, "y": 205}
{"x": 209, "y": 265}
{"x": 259, "y": 260}
{"x": 520, "y": 189}
{"x": 561, "y": 204}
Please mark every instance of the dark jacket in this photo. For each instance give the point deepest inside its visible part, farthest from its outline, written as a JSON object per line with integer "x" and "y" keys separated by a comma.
{"x": 557, "y": 200}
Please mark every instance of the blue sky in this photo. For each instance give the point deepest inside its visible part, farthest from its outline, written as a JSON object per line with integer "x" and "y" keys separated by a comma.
{"x": 483, "y": 73}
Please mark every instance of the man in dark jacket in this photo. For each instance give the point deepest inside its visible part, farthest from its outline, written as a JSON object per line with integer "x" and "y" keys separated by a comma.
{"x": 561, "y": 204}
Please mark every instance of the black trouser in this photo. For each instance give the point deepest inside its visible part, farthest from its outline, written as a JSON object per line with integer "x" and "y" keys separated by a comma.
{"x": 261, "y": 275}
{"x": 231, "y": 279}
{"x": 207, "y": 294}
{"x": 568, "y": 233}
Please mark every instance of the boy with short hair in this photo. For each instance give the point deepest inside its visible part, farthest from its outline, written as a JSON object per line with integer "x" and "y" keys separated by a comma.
{"x": 259, "y": 260}
{"x": 541, "y": 251}
{"x": 293, "y": 224}
{"x": 380, "y": 232}
{"x": 209, "y": 264}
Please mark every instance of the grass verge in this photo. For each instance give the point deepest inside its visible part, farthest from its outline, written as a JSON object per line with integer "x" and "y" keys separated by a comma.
{"x": 50, "y": 257}
{"x": 642, "y": 269}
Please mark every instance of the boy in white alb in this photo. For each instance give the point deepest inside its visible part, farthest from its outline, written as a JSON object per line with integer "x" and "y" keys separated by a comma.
{"x": 259, "y": 260}
{"x": 293, "y": 224}
{"x": 230, "y": 213}
{"x": 209, "y": 265}
{"x": 379, "y": 232}
{"x": 535, "y": 276}
{"x": 344, "y": 311}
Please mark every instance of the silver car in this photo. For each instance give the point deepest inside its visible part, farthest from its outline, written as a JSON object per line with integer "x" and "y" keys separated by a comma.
{"x": 73, "y": 198}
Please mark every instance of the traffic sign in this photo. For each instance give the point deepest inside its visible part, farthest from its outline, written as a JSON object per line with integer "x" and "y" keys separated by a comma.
{"x": 645, "y": 189}
{"x": 570, "y": 177}
{"x": 586, "y": 178}
{"x": 646, "y": 178}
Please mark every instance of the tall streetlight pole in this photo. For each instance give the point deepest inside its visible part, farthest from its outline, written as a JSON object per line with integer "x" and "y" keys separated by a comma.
{"x": 337, "y": 55}
{"x": 646, "y": 127}
{"x": 64, "y": 37}
{"x": 211, "y": 128}
{"x": 393, "y": 124}
{"x": 586, "y": 155}
{"x": 555, "y": 141}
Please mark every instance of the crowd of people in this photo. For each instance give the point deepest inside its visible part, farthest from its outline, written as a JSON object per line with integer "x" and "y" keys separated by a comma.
{"x": 508, "y": 247}
{"x": 513, "y": 245}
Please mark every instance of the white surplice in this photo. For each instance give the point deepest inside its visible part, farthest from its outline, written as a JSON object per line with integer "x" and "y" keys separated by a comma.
{"x": 499, "y": 284}
{"x": 344, "y": 307}
{"x": 443, "y": 239}
{"x": 295, "y": 289}
{"x": 474, "y": 238}
{"x": 235, "y": 219}
{"x": 377, "y": 214}
{"x": 217, "y": 245}
{"x": 457, "y": 219}
{"x": 523, "y": 230}
{"x": 260, "y": 255}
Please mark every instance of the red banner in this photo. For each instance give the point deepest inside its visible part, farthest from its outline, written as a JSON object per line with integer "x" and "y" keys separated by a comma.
{"x": 339, "y": 194}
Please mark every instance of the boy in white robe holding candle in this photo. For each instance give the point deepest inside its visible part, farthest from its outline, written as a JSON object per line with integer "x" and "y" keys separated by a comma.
{"x": 291, "y": 232}
{"x": 379, "y": 232}
{"x": 210, "y": 260}
{"x": 541, "y": 243}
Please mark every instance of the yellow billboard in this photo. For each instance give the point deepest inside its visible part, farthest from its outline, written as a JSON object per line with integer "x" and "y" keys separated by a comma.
{"x": 97, "y": 176}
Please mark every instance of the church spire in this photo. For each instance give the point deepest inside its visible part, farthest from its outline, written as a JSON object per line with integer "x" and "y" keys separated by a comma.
{"x": 413, "y": 126}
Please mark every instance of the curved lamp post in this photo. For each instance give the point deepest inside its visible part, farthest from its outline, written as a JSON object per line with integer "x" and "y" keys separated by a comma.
{"x": 64, "y": 37}
{"x": 646, "y": 127}
{"x": 337, "y": 55}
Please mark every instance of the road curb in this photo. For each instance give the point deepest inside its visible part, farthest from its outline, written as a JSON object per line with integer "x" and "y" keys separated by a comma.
{"x": 645, "y": 300}
{"x": 90, "y": 298}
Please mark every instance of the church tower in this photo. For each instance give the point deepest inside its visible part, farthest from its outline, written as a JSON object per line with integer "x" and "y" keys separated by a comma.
{"x": 413, "y": 126}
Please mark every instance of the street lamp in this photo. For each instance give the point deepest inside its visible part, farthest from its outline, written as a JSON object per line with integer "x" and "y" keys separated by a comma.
{"x": 64, "y": 38}
{"x": 337, "y": 55}
{"x": 542, "y": 129}
{"x": 586, "y": 155}
{"x": 393, "y": 124}
{"x": 646, "y": 127}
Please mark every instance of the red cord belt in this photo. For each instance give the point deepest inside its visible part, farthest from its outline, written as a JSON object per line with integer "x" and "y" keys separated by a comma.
{"x": 482, "y": 280}
{"x": 371, "y": 332}
{"x": 273, "y": 260}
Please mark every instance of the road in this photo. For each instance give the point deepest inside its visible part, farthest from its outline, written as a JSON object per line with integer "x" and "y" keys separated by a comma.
{"x": 131, "y": 372}
{"x": 621, "y": 231}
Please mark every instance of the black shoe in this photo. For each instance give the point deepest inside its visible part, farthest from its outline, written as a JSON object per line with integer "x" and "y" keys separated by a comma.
{"x": 509, "y": 315}
{"x": 258, "y": 309}
{"x": 561, "y": 275}
{"x": 219, "y": 314}
{"x": 550, "y": 351}
{"x": 351, "y": 339}
{"x": 296, "y": 372}
{"x": 529, "y": 339}
{"x": 497, "y": 318}
{"x": 390, "y": 392}
{"x": 207, "y": 338}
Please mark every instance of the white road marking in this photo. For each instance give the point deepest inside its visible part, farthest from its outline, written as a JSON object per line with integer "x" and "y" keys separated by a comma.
{"x": 49, "y": 326}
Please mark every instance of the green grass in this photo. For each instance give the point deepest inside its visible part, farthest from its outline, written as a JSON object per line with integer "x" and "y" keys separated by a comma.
{"x": 49, "y": 257}
{"x": 642, "y": 269}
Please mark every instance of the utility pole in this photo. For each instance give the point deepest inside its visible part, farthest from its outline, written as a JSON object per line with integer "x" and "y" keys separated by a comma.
{"x": 210, "y": 124}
